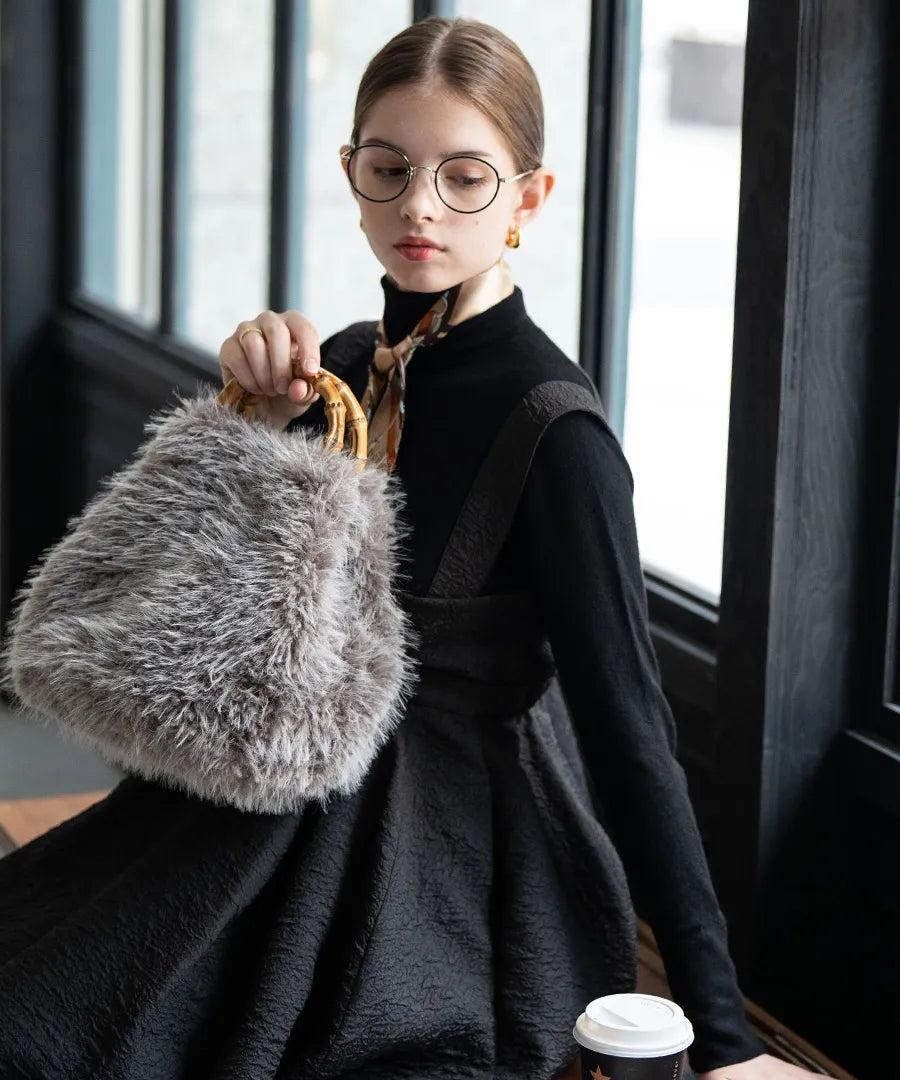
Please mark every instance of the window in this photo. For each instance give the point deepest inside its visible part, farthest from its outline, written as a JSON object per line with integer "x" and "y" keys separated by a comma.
{"x": 680, "y": 322}
{"x": 209, "y": 193}
{"x": 180, "y": 235}
{"x": 334, "y": 290}
{"x": 222, "y": 227}
{"x": 122, "y": 149}
{"x": 547, "y": 266}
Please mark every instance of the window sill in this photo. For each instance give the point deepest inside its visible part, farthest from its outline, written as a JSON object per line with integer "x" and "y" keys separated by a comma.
{"x": 100, "y": 338}
{"x": 684, "y": 630}
{"x": 873, "y": 769}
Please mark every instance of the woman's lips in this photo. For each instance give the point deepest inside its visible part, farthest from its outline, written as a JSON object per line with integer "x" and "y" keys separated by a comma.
{"x": 420, "y": 251}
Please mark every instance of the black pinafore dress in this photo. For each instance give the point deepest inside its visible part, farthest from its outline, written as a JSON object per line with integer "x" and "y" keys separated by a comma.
{"x": 450, "y": 919}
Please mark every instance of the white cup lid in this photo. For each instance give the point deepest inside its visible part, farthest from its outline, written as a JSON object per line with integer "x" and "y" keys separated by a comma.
{"x": 634, "y": 1026}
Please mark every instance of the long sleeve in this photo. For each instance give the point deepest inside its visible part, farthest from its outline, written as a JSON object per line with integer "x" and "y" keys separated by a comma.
{"x": 575, "y": 538}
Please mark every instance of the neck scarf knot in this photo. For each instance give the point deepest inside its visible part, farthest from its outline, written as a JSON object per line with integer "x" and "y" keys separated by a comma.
{"x": 383, "y": 401}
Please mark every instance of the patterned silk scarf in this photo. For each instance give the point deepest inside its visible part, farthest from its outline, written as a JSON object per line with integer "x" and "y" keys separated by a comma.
{"x": 383, "y": 401}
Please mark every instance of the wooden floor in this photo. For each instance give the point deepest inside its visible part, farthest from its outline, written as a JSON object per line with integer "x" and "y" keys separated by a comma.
{"x": 24, "y": 819}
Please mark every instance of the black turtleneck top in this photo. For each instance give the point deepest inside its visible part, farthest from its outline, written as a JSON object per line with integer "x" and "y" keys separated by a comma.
{"x": 573, "y": 545}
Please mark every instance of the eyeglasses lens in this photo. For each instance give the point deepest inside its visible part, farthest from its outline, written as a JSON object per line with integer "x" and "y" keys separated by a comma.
{"x": 465, "y": 184}
{"x": 378, "y": 173}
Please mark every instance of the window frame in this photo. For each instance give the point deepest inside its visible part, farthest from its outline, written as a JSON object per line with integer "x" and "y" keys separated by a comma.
{"x": 872, "y": 747}
{"x": 683, "y": 621}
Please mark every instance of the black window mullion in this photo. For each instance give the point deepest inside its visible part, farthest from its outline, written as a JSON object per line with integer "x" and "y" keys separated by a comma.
{"x": 613, "y": 89}
{"x": 72, "y": 143}
{"x": 423, "y": 8}
{"x": 596, "y": 188}
{"x": 882, "y": 504}
{"x": 178, "y": 20}
{"x": 282, "y": 99}
{"x": 888, "y": 675}
{"x": 169, "y": 180}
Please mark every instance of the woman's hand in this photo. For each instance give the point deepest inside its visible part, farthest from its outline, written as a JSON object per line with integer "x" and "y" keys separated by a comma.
{"x": 261, "y": 361}
{"x": 764, "y": 1067}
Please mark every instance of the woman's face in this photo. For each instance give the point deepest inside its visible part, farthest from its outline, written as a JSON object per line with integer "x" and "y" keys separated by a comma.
{"x": 429, "y": 123}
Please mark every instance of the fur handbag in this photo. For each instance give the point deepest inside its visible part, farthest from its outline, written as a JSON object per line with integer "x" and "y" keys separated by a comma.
{"x": 221, "y": 616}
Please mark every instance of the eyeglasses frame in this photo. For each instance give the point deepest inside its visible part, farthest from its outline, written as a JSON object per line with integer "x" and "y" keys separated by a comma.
{"x": 346, "y": 155}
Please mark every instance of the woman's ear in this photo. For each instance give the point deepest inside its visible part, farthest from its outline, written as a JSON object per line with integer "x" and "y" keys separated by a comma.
{"x": 534, "y": 194}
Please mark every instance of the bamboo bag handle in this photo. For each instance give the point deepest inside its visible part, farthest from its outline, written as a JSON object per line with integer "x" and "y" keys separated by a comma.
{"x": 339, "y": 400}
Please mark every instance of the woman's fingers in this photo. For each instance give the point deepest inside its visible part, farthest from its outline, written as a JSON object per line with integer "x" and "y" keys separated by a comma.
{"x": 279, "y": 344}
{"x": 242, "y": 355}
{"x": 306, "y": 349}
{"x": 261, "y": 352}
{"x": 257, "y": 347}
{"x": 305, "y": 337}
{"x": 301, "y": 392}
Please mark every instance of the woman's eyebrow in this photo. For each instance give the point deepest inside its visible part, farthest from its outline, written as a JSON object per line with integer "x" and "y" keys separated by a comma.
{"x": 466, "y": 153}
{"x": 441, "y": 153}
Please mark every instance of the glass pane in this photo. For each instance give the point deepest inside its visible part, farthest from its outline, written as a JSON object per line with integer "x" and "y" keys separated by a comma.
{"x": 223, "y": 273}
{"x": 555, "y": 39}
{"x": 682, "y": 295}
{"x": 122, "y": 146}
{"x": 339, "y": 276}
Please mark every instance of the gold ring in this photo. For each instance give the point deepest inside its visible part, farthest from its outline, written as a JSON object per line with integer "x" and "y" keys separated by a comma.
{"x": 251, "y": 330}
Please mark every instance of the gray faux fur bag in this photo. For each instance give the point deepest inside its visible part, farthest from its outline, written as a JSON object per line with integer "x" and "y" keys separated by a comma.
{"x": 221, "y": 616}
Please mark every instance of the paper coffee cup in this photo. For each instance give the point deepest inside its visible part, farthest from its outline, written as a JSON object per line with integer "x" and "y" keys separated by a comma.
{"x": 633, "y": 1037}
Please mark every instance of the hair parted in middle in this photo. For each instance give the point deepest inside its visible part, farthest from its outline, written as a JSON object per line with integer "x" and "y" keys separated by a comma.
{"x": 475, "y": 60}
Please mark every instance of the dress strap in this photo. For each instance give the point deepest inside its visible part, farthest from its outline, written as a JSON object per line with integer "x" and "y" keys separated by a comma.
{"x": 490, "y": 506}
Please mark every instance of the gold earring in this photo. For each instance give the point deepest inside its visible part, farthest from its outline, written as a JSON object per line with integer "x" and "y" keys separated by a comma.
{"x": 361, "y": 225}
{"x": 512, "y": 236}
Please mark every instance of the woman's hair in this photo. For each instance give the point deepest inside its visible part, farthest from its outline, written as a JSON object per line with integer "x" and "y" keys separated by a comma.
{"x": 475, "y": 60}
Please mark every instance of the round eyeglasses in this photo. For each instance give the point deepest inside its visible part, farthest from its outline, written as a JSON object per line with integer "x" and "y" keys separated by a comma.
{"x": 381, "y": 173}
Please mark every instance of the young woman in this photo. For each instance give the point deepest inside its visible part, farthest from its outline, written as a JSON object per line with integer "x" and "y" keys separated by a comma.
{"x": 453, "y": 916}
